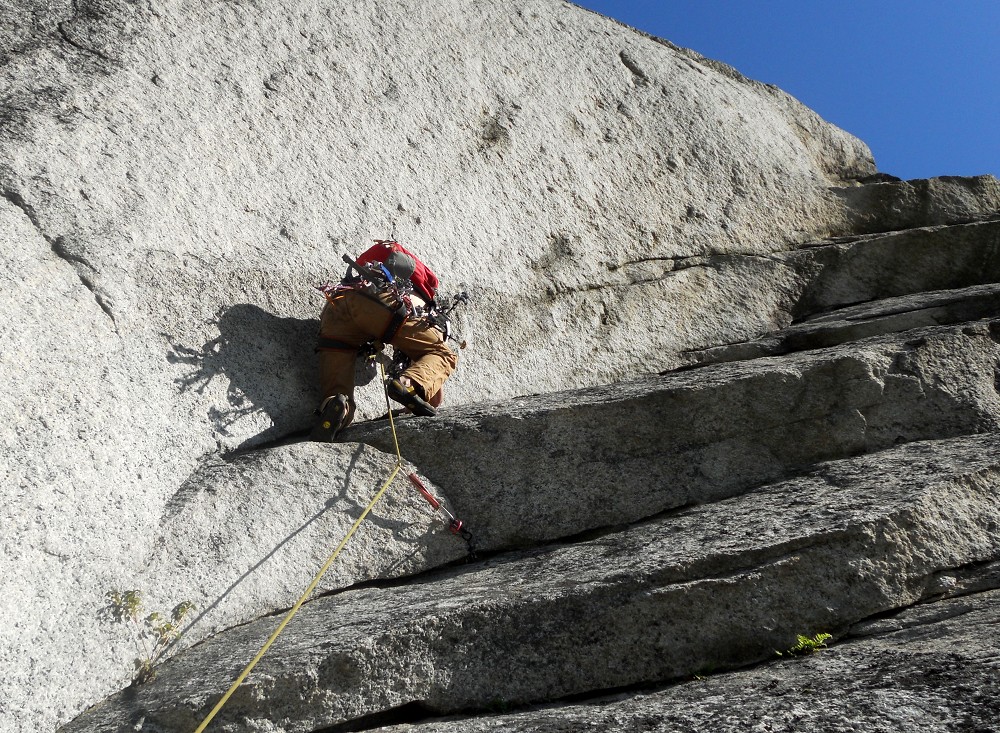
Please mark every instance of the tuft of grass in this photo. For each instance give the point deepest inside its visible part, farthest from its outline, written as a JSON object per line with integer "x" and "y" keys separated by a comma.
{"x": 153, "y": 633}
{"x": 703, "y": 673}
{"x": 806, "y": 645}
{"x": 499, "y": 705}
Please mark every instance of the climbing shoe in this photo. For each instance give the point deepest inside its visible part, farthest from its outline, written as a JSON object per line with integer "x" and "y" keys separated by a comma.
{"x": 331, "y": 418}
{"x": 409, "y": 396}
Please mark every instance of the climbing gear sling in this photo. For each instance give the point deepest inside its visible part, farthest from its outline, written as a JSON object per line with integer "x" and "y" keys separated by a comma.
{"x": 372, "y": 283}
{"x": 456, "y": 526}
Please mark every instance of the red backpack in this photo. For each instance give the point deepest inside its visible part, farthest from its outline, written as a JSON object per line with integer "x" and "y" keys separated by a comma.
{"x": 425, "y": 282}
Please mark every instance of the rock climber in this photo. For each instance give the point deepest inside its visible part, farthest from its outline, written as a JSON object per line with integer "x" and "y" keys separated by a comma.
{"x": 383, "y": 300}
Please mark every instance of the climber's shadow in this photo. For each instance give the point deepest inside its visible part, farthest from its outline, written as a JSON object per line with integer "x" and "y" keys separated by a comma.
{"x": 268, "y": 362}
{"x": 351, "y": 505}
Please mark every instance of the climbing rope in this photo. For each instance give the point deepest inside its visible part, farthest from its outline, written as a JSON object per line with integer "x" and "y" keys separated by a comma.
{"x": 315, "y": 581}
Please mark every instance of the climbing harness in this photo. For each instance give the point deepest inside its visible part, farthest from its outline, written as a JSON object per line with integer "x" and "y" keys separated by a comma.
{"x": 373, "y": 281}
{"x": 455, "y": 524}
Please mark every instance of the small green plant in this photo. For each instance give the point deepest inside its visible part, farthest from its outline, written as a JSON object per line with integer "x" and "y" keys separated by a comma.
{"x": 704, "y": 673}
{"x": 153, "y": 633}
{"x": 499, "y": 705}
{"x": 807, "y": 645}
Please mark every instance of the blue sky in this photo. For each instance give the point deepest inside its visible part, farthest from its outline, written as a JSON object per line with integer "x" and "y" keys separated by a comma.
{"x": 917, "y": 80}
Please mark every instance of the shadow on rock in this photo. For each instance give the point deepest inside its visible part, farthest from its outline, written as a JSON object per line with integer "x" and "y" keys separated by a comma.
{"x": 331, "y": 503}
{"x": 270, "y": 366}
{"x": 222, "y": 545}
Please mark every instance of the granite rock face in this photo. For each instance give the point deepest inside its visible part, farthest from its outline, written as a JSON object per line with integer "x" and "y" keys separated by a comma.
{"x": 707, "y": 588}
{"x": 242, "y": 538}
{"x": 927, "y": 668}
{"x": 647, "y": 532}
{"x": 175, "y": 176}
{"x": 891, "y": 205}
{"x": 617, "y": 454}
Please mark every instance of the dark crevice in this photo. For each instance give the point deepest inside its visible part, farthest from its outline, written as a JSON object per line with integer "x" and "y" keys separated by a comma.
{"x": 631, "y": 65}
{"x": 807, "y": 316}
{"x": 555, "y": 290}
{"x": 994, "y": 331}
{"x": 418, "y": 712}
{"x": 64, "y": 34}
{"x": 597, "y": 533}
{"x": 973, "y": 578}
{"x": 643, "y": 260}
{"x": 839, "y": 240}
{"x": 970, "y": 579}
{"x": 860, "y": 320}
{"x": 411, "y": 712}
{"x": 18, "y": 200}
{"x": 59, "y": 249}
{"x": 683, "y": 262}
{"x": 99, "y": 298}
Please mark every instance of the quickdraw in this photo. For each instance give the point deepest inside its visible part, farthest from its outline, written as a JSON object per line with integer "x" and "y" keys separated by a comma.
{"x": 455, "y": 525}
{"x": 439, "y": 317}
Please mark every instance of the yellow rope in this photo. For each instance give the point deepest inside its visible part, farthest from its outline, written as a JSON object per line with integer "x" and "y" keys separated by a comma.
{"x": 315, "y": 581}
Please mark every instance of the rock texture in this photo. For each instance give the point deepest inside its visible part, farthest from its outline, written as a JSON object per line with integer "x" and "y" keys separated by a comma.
{"x": 927, "y": 668}
{"x": 712, "y": 587}
{"x": 890, "y": 205}
{"x": 174, "y": 176}
{"x": 617, "y": 454}
{"x": 244, "y": 537}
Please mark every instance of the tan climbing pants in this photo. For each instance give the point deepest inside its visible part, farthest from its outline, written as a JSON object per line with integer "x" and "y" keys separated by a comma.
{"x": 353, "y": 318}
